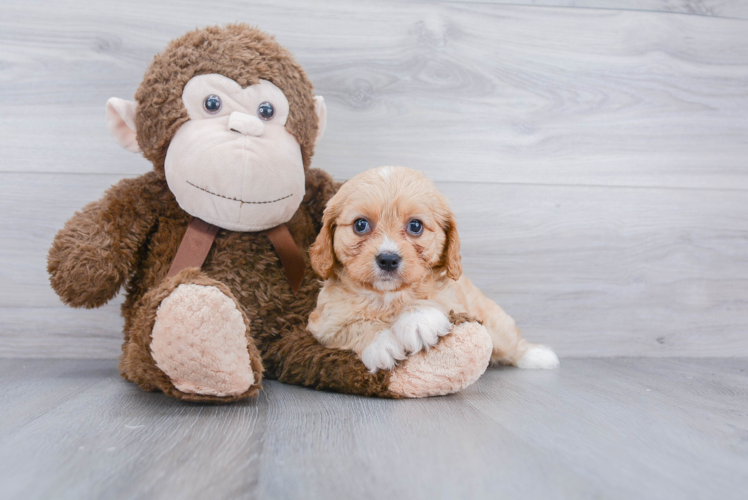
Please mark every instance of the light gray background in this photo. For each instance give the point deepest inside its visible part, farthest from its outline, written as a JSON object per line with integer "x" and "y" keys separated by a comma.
{"x": 596, "y": 152}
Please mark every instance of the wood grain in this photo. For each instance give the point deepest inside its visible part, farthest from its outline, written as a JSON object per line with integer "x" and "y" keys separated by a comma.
{"x": 592, "y": 271}
{"x": 487, "y": 92}
{"x": 111, "y": 440}
{"x": 61, "y": 332}
{"x": 594, "y": 151}
{"x": 340, "y": 447}
{"x": 614, "y": 429}
{"x": 733, "y": 9}
{"x": 595, "y": 154}
{"x": 650, "y": 422}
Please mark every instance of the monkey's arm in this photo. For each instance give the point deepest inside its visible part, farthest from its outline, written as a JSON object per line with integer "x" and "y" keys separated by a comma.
{"x": 456, "y": 361}
{"x": 94, "y": 253}
{"x": 297, "y": 358}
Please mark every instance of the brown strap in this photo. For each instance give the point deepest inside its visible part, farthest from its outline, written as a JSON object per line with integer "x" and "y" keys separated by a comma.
{"x": 290, "y": 255}
{"x": 200, "y": 235}
{"x": 195, "y": 246}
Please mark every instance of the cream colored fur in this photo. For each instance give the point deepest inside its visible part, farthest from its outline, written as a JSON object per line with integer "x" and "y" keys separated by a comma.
{"x": 199, "y": 340}
{"x": 386, "y": 316}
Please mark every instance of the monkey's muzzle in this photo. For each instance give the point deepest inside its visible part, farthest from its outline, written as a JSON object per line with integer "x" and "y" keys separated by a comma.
{"x": 246, "y": 124}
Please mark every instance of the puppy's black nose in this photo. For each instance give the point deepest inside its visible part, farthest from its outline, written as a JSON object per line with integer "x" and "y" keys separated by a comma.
{"x": 388, "y": 261}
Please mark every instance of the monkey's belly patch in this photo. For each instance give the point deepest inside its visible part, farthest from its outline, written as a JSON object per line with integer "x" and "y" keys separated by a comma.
{"x": 239, "y": 200}
{"x": 199, "y": 341}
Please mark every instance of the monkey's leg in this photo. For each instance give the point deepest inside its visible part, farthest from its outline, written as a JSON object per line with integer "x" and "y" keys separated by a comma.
{"x": 191, "y": 340}
{"x": 455, "y": 362}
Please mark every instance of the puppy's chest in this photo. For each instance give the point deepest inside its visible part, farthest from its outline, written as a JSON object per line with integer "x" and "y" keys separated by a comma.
{"x": 387, "y": 307}
{"x": 388, "y": 302}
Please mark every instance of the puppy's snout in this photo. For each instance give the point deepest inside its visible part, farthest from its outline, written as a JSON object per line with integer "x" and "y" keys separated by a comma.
{"x": 388, "y": 261}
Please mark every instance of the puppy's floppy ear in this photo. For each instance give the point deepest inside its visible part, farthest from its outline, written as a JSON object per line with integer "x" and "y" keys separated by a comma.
{"x": 322, "y": 253}
{"x": 452, "y": 257}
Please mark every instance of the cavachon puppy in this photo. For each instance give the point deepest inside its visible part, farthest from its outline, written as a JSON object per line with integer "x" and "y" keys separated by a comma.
{"x": 390, "y": 254}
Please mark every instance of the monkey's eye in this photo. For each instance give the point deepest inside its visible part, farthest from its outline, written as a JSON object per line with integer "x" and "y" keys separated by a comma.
{"x": 415, "y": 227}
{"x": 212, "y": 104}
{"x": 361, "y": 226}
{"x": 265, "y": 111}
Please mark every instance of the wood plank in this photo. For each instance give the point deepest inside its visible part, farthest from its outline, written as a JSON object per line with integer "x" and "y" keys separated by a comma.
{"x": 613, "y": 428}
{"x": 61, "y": 332}
{"x": 336, "y": 446}
{"x": 638, "y": 429}
{"x": 112, "y": 440}
{"x": 35, "y": 207}
{"x": 733, "y": 9}
{"x": 31, "y": 388}
{"x": 613, "y": 272}
{"x": 487, "y": 92}
{"x": 589, "y": 270}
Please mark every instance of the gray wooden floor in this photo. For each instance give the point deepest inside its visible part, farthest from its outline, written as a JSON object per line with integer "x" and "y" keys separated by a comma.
{"x": 596, "y": 428}
{"x": 595, "y": 154}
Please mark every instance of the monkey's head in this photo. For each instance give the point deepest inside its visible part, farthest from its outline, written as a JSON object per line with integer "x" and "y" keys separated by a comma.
{"x": 230, "y": 119}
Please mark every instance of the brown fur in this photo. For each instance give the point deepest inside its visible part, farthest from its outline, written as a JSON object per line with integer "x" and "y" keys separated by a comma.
{"x": 131, "y": 235}
{"x": 222, "y": 50}
{"x": 137, "y": 363}
{"x": 139, "y": 248}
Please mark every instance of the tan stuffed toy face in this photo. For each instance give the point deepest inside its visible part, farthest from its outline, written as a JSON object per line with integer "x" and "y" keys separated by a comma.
{"x": 233, "y": 163}
{"x": 256, "y": 177}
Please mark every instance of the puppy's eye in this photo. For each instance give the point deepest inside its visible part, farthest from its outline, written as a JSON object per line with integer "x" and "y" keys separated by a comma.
{"x": 415, "y": 227}
{"x": 361, "y": 226}
{"x": 212, "y": 104}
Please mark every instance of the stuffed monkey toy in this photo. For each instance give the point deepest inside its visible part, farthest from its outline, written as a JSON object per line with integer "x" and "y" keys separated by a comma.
{"x": 211, "y": 245}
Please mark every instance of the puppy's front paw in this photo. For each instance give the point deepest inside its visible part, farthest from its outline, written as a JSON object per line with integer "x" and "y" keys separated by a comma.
{"x": 383, "y": 353}
{"x": 421, "y": 328}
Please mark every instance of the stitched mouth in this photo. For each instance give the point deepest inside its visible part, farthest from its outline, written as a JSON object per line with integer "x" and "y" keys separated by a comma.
{"x": 238, "y": 199}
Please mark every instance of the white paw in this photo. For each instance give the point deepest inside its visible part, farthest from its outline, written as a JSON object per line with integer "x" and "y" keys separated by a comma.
{"x": 383, "y": 353}
{"x": 420, "y": 328}
{"x": 539, "y": 358}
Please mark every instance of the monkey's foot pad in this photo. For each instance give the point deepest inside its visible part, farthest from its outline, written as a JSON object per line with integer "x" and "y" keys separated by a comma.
{"x": 457, "y": 361}
{"x": 199, "y": 341}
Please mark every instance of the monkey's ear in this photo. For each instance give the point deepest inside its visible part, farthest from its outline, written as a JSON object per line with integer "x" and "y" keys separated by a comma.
{"x": 120, "y": 118}
{"x": 321, "y": 109}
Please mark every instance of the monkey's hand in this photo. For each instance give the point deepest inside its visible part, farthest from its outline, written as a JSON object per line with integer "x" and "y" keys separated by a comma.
{"x": 92, "y": 256}
{"x": 455, "y": 362}
{"x": 84, "y": 263}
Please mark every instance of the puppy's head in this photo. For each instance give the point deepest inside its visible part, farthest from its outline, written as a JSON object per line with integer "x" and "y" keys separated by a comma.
{"x": 387, "y": 229}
